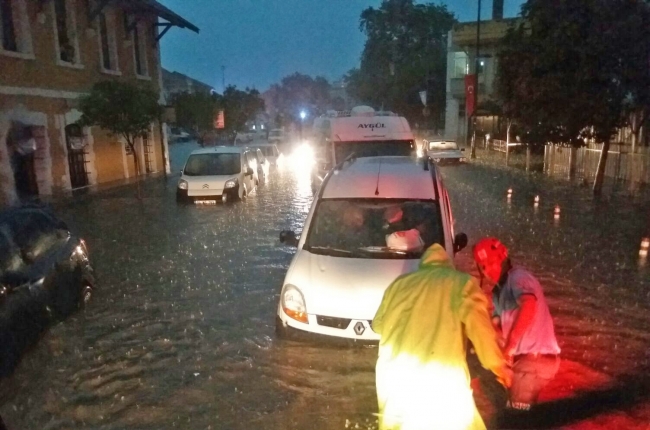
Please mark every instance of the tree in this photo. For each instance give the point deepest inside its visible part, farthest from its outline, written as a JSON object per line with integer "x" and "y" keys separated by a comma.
{"x": 405, "y": 53}
{"x": 196, "y": 111}
{"x": 123, "y": 109}
{"x": 240, "y": 107}
{"x": 299, "y": 92}
{"x": 574, "y": 70}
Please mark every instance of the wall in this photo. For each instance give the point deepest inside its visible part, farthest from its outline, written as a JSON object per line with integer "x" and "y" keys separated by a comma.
{"x": 38, "y": 90}
{"x": 46, "y": 72}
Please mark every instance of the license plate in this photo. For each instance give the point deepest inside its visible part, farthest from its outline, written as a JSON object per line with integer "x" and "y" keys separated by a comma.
{"x": 205, "y": 202}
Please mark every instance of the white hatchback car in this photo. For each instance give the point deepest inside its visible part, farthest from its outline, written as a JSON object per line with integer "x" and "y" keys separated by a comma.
{"x": 270, "y": 152}
{"x": 371, "y": 222}
{"x": 219, "y": 173}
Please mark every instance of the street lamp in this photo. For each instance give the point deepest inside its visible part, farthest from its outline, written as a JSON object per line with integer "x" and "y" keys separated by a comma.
{"x": 303, "y": 114}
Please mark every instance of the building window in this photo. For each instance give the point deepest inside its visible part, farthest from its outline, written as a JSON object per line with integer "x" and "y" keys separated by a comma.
{"x": 107, "y": 42}
{"x": 8, "y": 30}
{"x": 126, "y": 21}
{"x": 14, "y": 28}
{"x": 67, "y": 44}
{"x": 140, "y": 50}
{"x": 103, "y": 35}
{"x": 460, "y": 65}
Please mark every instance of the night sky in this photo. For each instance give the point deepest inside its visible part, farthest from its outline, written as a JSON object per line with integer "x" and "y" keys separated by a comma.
{"x": 261, "y": 41}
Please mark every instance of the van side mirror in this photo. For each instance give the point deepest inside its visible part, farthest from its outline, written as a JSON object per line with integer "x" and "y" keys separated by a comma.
{"x": 288, "y": 238}
{"x": 249, "y": 171}
{"x": 460, "y": 242}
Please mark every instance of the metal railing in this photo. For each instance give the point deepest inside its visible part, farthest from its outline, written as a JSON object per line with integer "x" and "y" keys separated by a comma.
{"x": 622, "y": 164}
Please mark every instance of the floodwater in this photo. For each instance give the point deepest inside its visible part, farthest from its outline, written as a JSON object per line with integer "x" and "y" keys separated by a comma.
{"x": 181, "y": 330}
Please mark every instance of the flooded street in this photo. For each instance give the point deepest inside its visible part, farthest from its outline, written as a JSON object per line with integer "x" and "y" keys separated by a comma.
{"x": 180, "y": 333}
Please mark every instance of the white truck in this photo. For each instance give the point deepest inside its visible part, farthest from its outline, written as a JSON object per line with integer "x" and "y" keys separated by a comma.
{"x": 361, "y": 132}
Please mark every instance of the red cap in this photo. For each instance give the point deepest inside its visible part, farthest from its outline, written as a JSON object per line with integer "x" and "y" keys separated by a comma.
{"x": 489, "y": 254}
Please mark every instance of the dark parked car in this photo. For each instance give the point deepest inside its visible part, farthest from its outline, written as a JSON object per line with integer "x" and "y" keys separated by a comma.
{"x": 45, "y": 275}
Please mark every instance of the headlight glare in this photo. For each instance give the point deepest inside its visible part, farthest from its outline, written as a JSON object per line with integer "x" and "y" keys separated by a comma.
{"x": 182, "y": 184}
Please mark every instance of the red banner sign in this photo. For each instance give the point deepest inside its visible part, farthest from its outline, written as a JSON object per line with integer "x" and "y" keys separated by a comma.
{"x": 470, "y": 88}
{"x": 220, "y": 120}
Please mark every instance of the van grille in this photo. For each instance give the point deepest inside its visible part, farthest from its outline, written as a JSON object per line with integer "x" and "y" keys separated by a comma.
{"x": 340, "y": 323}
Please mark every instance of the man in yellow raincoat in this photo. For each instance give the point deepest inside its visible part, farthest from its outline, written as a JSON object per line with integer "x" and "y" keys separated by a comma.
{"x": 424, "y": 320}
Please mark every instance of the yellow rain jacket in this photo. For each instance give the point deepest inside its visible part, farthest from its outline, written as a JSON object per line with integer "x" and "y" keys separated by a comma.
{"x": 422, "y": 375}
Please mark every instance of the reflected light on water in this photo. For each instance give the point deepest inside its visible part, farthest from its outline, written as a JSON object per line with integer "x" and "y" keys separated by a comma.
{"x": 411, "y": 396}
{"x": 300, "y": 162}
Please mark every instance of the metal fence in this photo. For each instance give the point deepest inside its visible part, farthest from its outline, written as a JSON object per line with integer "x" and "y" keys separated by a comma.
{"x": 621, "y": 163}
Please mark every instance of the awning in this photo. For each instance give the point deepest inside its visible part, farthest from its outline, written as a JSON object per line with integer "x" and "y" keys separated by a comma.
{"x": 140, "y": 8}
{"x": 153, "y": 7}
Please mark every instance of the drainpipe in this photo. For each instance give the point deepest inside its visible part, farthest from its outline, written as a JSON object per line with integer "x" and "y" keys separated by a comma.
{"x": 161, "y": 125}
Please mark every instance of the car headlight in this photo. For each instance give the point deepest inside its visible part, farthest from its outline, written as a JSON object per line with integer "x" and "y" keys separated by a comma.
{"x": 182, "y": 184}
{"x": 293, "y": 303}
{"x": 230, "y": 183}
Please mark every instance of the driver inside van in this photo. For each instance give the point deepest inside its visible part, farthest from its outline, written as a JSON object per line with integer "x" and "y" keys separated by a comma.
{"x": 410, "y": 216}
{"x": 353, "y": 233}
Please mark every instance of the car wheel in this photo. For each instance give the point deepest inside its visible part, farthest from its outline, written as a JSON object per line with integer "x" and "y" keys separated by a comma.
{"x": 86, "y": 295}
{"x": 280, "y": 329}
{"x": 243, "y": 192}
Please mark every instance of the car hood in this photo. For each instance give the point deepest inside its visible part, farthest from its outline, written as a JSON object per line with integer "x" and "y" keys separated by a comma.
{"x": 207, "y": 182}
{"x": 344, "y": 287}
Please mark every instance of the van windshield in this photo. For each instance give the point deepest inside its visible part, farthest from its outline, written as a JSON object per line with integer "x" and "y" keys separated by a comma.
{"x": 374, "y": 228}
{"x": 212, "y": 164}
{"x": 374, "y": 148}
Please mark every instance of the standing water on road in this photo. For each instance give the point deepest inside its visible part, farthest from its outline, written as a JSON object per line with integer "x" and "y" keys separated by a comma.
{"x": 181, "y": 330}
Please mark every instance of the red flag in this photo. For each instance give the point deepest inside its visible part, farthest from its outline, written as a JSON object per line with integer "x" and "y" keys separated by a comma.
{"x": 220, "y": 120}
{"x": 470, "y": 87}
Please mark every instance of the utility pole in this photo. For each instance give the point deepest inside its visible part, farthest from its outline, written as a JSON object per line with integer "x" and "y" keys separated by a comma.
{"x": 476, "y": 73}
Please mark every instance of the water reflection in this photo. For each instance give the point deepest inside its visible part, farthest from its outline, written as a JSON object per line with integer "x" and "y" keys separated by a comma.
{"x": 180, "y": 333}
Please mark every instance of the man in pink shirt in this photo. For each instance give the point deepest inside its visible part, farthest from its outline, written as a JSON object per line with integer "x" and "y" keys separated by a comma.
{"x": 522, "y": 317}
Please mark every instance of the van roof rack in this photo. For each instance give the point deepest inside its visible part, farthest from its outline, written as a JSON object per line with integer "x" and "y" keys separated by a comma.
{"x": 349, "y": 159}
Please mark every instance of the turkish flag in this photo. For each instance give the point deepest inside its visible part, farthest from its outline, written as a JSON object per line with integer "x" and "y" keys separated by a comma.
{"x": 220, "y": 120}
{"x": 470, "y": 88}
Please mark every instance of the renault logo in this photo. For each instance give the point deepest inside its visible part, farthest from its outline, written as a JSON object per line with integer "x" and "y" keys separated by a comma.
{"x": 206, "y": 186}
{"x": 359, "y": 328}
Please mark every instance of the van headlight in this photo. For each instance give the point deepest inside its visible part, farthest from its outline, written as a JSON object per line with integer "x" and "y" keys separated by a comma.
{"x": 293, "y": 303}
{"x": 230, "y": 183}
{"x": 182, "y": 184}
